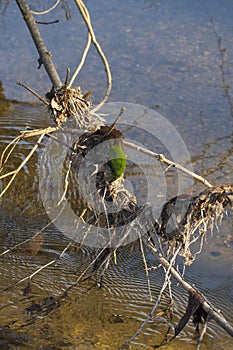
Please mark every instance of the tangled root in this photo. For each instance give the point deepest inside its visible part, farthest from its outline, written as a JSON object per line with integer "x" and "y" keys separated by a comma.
{"x": 184, "y": 219}
{"x": 66, "y": 102}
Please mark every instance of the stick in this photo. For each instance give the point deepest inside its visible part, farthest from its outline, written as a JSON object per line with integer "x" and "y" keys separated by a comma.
{"x": 45, "y": 56}
{"x": 33, "y": 92}
{"x": 161, "y": 158}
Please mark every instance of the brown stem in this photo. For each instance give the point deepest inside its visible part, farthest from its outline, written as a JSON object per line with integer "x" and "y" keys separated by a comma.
{"x": 45, "y": 56}
{"x": 213, "y": 314}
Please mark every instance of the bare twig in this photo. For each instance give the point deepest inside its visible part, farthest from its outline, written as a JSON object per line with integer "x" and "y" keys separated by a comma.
{"x": 26, "y": 240}
{"x": 85, "y": 52}
{"x": 10, "y": 148}
{"x": 167, "y": 267}
{"x": 45, "y": 55}
{"x": 86, "y": 17}
{"x": 66, "y": 184}
{"x": 36, "y": 132}
{"x": 212, "y": 313}
{"x": 161, "y": 158}
{"x": 33, "y": 92}
{"x": 145, "y": 266}
{"x": 46, "y": 11}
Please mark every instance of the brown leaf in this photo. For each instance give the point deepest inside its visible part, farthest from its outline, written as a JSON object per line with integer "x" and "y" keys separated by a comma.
{"x": 193, "y": 304}
{"x": 199, "y": 318}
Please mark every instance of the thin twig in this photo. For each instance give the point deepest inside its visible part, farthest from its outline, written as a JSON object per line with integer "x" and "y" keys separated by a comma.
{"x": 213, "y": 314}
{"x": 149, "y": 318}
{"x": 161, "y": 158}
{"x": 41, "y": 267}
{"x": 85, "y": 52}
{"x": 12, "y": 144}
{"x": 46, "y": 11}
{"x": 36, "y": 132}
{"x": 63, "y": 197}
{"x": 86, "y": 17}
{"x": 24, "y": 134}
{"x": 146, "y": 267}
{"x": 33, "y": 92}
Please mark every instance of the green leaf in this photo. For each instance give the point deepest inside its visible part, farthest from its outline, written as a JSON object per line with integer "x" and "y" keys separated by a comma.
{"x": 118, "y": 159}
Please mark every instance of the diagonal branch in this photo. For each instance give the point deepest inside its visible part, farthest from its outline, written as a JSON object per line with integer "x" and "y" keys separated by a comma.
{"x": 211, "y": 311}
{"x": 161, "y": 158}
{"x": 45, "y": 55}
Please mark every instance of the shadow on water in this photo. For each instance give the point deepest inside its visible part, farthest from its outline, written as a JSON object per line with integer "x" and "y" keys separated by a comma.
{"x": 165, "y": 56}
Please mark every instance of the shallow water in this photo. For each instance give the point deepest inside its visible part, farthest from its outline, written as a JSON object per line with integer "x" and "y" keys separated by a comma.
{"x": 163, "y": 55}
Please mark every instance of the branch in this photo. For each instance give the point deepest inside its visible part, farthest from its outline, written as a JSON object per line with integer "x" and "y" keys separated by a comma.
{"x": 45, "y": 56}
{"x": 161, "y": 158}
{"x": 212, "y": 313}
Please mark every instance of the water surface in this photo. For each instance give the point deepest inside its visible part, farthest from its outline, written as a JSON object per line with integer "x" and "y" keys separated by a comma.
{"x": 166, "y": 56}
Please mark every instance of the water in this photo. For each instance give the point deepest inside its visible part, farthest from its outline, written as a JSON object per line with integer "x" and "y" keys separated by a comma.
{"x": 163, "y": 55}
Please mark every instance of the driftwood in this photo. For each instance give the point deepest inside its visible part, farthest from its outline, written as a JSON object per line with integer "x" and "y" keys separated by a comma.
{"x": 166, "y": 237}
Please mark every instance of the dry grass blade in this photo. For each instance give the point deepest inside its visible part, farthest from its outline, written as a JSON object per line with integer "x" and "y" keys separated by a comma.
{"x": 146, "y": 266}
{"x": 10, "y": 148}
{"x": 15, "y": 172}
{"x": 4, "y": 157}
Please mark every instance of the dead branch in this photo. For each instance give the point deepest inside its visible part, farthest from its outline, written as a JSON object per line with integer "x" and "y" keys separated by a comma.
{"x": 161, "y": 158}
{"x": 44, "y": 54}
{"x": 211, "y": 311}
{"x": 207, "y": 307}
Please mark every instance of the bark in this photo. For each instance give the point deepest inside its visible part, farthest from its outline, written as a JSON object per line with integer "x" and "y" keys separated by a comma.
{"x": 44, "y": 54}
